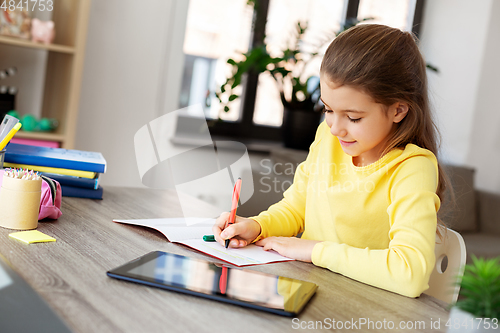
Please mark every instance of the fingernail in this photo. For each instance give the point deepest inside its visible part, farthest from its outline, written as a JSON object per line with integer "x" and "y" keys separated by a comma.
{"x": 223, "y": 235}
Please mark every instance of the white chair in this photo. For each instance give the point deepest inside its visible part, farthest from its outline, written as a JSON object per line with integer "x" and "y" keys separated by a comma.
{"x": 443, "y": 281}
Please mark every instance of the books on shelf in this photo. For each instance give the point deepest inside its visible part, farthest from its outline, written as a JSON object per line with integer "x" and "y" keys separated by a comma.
{"x": 68, "y": 172}
{"x": 33, "y": 142}
{"x": 80, "y": 192}
{"x": 55, "y": 157}
{"x": 74, "y": 181}
{"x": 77, "y": 171}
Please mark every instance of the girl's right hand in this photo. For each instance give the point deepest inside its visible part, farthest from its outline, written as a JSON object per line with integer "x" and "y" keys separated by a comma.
{"x": 242, "y": 232}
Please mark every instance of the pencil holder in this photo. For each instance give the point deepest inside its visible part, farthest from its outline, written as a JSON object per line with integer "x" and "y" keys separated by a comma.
{"x": 19, "y": 203}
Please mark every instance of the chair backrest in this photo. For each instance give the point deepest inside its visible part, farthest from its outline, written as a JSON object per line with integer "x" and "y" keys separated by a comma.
{"x": 443, "y": 281}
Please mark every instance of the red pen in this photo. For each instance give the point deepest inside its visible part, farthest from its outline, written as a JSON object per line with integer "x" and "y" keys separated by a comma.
{"x": 234, "y": 206}
{"x": 223, "y": 280}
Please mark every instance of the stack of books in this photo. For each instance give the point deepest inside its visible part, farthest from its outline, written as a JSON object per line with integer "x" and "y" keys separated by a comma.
{"x": 77, "y": 171}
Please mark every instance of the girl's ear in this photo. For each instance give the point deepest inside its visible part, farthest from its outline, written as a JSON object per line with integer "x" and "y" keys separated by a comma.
{"x": 401, "y": 110}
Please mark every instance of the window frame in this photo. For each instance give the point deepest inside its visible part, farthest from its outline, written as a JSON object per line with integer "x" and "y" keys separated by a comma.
{"x": 245, "y": 128}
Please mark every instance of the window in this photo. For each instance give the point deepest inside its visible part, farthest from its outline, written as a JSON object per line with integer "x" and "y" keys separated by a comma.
{"x": 388, "y": 12}
{"x": 322, "y": 18}
{"x": 221, "y": 29}
{"x": 215, "y": 31}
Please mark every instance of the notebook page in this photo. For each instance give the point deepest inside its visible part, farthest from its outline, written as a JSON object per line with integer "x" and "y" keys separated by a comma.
{"x": 176, "y": 230}
{"x": 179, "y": 233}
{"x": 184, "y": 221}
{"x": 246, "y": 256}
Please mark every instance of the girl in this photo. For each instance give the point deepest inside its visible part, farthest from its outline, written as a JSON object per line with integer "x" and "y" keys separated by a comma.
{"x": 367, "y": 196}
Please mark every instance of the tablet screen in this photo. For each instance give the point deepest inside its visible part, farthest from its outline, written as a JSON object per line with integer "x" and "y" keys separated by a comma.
{"x": 252, "y": 289}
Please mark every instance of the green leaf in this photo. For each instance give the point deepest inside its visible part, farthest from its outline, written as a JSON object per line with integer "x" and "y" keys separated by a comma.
{"x": 480, "y": 288}
{"x": 232, "y": 97}
{"x": 277, "y": 60}
{"x": 226, "y": 108}
{"x": 301, "y": 28}
{"x": 231, "y": 62}
{"x": 280, "y": 70}
{"x": 237, "y": 81}
{"x": 432, "y": 68}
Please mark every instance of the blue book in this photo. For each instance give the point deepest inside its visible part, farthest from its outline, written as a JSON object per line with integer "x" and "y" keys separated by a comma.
{"x": 78, "y": 192}
{"x": 74, "y": 181}
{"x": 55, "y": 157}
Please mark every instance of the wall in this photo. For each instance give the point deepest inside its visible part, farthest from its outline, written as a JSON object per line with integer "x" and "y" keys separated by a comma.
{"x": 458, "y": 37}
{"x": 484, "y": 145}
{"x": 132, "y": 69}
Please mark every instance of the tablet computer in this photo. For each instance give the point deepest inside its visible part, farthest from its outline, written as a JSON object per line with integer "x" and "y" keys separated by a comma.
{"x": 270, "y": 293}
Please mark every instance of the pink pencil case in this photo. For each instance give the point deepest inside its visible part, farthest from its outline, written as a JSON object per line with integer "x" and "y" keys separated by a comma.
{"x": 50, "y": 199}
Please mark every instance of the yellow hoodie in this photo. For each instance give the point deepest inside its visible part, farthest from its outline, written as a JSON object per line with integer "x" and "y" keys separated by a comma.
{"x": 377, "y": 223}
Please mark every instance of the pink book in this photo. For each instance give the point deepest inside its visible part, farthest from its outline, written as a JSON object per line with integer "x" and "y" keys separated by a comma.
{"x": 39, "y": 143}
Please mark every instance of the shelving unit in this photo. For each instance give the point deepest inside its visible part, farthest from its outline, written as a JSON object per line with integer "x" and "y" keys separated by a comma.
{"x": 61, "y": 91}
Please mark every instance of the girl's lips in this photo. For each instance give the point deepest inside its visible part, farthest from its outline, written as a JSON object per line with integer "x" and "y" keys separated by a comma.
{"x": 345, "y": 143}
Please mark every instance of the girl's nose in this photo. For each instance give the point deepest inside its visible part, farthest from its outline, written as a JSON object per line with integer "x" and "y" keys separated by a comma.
{"x": 337, "y": 128}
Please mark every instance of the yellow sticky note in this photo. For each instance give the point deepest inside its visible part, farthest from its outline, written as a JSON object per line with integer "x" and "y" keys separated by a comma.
{"x": 32, "y": 236}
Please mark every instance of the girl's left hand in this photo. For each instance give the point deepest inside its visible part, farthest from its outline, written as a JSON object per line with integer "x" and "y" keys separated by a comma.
{"x": 291, "y": 247}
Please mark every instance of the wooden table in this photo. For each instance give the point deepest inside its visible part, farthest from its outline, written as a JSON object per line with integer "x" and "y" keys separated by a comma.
{"x": 70, "y": 274}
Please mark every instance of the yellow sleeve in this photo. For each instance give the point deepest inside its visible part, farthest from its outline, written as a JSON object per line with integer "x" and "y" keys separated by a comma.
{"x": 286, "y": 217}
{"x": 404, "y": 267}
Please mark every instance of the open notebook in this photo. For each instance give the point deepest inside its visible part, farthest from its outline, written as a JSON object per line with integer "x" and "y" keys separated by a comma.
{"x": 190, "y": 231}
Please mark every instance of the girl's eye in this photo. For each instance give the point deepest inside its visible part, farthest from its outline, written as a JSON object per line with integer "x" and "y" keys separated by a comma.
{"x": 325, "y": 110}
{"x": 354, "y": 120}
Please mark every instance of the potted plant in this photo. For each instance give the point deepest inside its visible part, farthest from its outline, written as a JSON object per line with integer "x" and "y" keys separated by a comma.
{"x": 478, "y": 307}
{"x": 299, "y": 93}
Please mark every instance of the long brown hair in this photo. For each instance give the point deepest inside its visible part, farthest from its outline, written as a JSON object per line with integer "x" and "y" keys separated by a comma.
{"x": 386, "y": 63}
